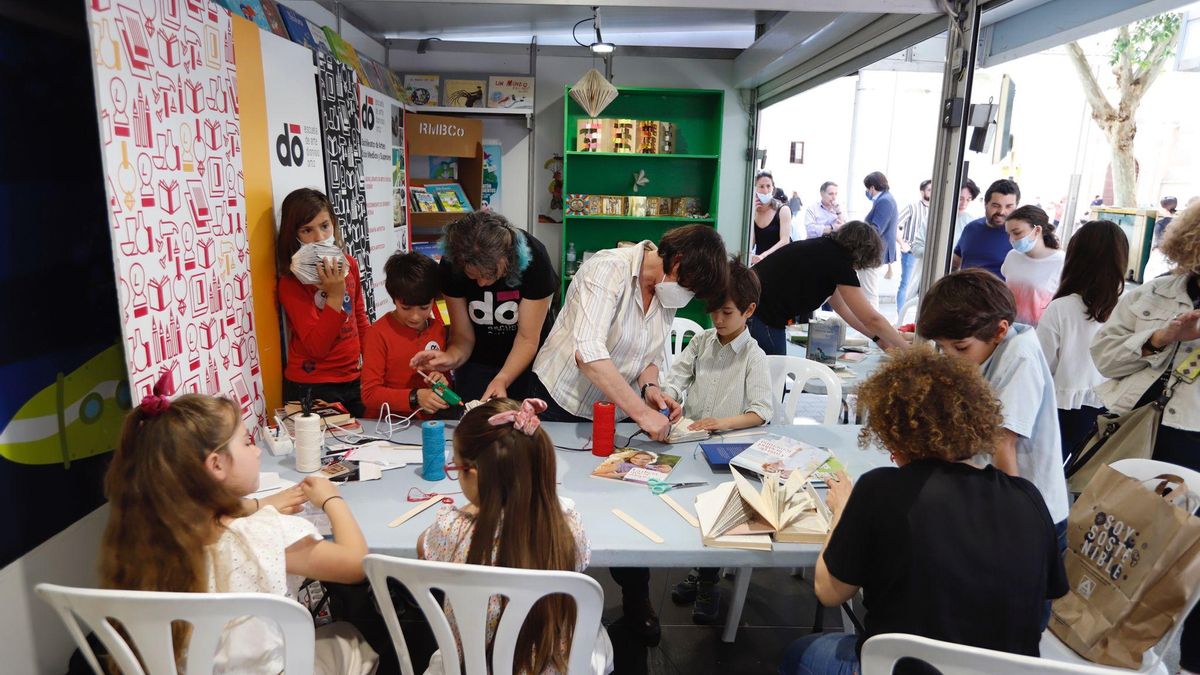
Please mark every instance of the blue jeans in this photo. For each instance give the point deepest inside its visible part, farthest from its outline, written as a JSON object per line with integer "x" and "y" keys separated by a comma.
{"x": 821, "y": 654}
{"x": 772, "y": 340}
{"x": 907, "y": 262}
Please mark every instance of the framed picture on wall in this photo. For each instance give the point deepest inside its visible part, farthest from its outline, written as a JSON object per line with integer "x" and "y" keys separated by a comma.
{"x": 797, "y": 152}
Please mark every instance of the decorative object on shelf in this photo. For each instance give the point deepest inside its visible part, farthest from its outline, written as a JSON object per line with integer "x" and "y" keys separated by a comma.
{"x": 595, "y": 205}
{"x": 506, "y": 91}
{"x": 649, "y": 132}
{"x": 465, "y": 93}
{"x": 685, "y": 206}
{"x": 623, "y": 134}
{"x": 637, "y": 206}
{"x": 554, "y": 165}
{"x": 591, "y": 131}
{"x": 422, "y": 90}
{"x": 639, "y": 179}
{"x": 658, "y": 206}
{"x": 613, "y": 206}
{"x": 666, "y": 138}
{"x": 577, "y": 205}
{"x": 593, "y": 92}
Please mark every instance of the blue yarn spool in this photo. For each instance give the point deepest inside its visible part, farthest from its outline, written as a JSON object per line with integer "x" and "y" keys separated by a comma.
{"x": 433, "y": 450}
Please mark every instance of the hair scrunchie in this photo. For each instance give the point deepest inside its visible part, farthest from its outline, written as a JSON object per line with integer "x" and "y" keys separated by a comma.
{"x": 524, "y": 420}
{"x": 156, "y": 402}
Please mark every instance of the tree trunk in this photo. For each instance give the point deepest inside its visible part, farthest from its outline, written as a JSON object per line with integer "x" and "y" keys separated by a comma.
{"x": 1124, "y": 165}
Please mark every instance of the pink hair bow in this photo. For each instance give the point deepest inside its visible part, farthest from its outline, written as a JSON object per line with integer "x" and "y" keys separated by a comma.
{"x": 524, "y": 420}
{"x": 156, "y": 403}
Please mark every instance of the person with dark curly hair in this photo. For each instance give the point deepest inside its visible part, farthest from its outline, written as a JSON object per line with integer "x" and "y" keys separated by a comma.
{"x": 498, "y": 282}
{"x": 799, "y": 277}
{"x": 939, "y": 547}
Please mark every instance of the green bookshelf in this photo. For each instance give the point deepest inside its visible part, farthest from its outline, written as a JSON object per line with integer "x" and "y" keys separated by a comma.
{"x": 693, "y": 170}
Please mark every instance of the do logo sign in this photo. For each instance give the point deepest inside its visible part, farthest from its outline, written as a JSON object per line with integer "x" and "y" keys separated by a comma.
{"x": 368, "y": 116}
{"x": 289, "y": 149}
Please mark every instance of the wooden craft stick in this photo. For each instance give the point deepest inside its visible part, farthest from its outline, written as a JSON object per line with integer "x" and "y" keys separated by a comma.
{"x": 647, "y": 532}
{"x": 415, "y": 510}
{"x": 743, "y": 433}
{"x": 680, "y": 510}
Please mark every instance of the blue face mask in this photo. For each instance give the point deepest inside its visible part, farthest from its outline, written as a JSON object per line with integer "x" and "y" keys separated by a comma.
{"x": 1025, "y": 244}
{"x": 869, "y": 195}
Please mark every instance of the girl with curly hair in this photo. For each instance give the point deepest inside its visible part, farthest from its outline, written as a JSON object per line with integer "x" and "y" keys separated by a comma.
{"x": 1152, "y": 340}
{"x": 939, "y": 547}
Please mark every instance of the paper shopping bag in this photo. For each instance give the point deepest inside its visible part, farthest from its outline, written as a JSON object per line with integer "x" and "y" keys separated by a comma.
{"x": 1133, "y": 556}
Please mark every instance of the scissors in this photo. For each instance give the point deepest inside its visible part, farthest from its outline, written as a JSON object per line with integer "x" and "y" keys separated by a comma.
{"x": 660, "y": 486}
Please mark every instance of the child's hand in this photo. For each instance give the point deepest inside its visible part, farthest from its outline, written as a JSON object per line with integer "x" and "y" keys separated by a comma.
{"x": 708, "y": 424}
{"x": 430, "y": 401}
{"x": 435, "y": 377}
{"x": 333, "y": 280}
{"x": 287, "y": 502}
{"x": 318, "y": 490}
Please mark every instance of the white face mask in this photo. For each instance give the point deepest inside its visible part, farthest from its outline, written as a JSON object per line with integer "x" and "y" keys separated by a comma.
{"x": 671, "y": 295}
{"x": 328, "y": 241}
{"x": 764, "y": 198}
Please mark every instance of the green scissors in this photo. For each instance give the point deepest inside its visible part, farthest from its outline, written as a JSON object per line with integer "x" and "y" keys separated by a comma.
{"x": 660, "y": 486}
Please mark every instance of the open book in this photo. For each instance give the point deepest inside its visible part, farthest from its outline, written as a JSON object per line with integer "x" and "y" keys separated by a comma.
{"x": 781, "y": 456}
{"x": 735, "y": 515}
{"x": 681, "y": 434}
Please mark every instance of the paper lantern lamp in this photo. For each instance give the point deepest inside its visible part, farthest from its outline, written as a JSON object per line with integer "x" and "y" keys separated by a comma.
{"x": 593, "y": 92}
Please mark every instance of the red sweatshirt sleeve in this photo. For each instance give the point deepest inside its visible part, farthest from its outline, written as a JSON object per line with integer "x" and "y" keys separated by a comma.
{"x": 316, "y": 329}
{"x": 375, "y": 360}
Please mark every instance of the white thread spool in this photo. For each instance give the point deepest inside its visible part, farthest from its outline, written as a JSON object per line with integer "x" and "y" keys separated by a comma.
{"x": 308, "y": 443}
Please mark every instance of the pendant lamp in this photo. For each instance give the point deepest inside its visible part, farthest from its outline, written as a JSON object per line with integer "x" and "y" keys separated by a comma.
{"x": 593, "y": 92}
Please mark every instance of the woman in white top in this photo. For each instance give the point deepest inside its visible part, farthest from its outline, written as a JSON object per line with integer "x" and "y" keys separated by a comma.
{"x": 1093, "y": 279}
{"x": 1033, "y": 267}
{"x": 178, "y": 522}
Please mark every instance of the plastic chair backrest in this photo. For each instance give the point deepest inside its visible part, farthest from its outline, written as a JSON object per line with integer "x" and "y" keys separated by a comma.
{"x": 680, "y": 328}
{"x": 803, "y": 370}
{"x": 146, "y": 616}
{"x": 881, "y": 652}
{"x": 910, "y": 303}
{"x": 468, "y": 588}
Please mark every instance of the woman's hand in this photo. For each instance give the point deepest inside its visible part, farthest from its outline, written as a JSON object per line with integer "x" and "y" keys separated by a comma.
{"x": 840, "y": 486}
{"x": 318, "y": 490}
{"x": 1182, "y": 328}
{"x": 495, "y": 389}
{"x": 430, "y": 401}
{"x": 754, "y": 259}
{"x": 288, "y": 502}
{"x": 331, "y": 272}
{"x": 656, "y": 425}
{"x": 432, "y": 359}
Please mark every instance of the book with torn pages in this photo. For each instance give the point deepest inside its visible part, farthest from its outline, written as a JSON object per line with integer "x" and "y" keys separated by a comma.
{"x": 680, "y": 433}
{"x": 781, "y": 456}
{"x": 636, "y": 466}
{"x": 735, "y": 515}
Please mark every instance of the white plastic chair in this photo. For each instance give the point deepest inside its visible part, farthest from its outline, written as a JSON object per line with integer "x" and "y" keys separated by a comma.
{"x": 468, "y": 589}
{"x": 1152, "y": 659}
{"x": 146, "y": 617}
{"x": 680, "y": 328}
{"x": 802, "y": 370}
{"x": 881, "y": 652}
{"x": 909, "y": 303}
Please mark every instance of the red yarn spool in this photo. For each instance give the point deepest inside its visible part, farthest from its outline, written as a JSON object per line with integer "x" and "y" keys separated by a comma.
{"x": 604, "y": 427}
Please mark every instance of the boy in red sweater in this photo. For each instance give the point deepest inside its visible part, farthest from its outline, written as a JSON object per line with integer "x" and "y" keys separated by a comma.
{"x": 390, "y": 343}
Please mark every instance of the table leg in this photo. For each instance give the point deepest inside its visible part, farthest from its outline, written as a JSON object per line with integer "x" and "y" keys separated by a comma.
{"x": 741, "y": 585}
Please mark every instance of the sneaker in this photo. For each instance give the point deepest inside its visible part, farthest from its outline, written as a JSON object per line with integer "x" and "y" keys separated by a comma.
{"x": 641, "y": 620}
{"x": 707, "y": 605}
{"x": 684, "y": 592}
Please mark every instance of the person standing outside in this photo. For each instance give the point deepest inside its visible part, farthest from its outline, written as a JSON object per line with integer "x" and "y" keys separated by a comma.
{"x": 1169, "y": 206}
{"x": 984, "y": 242}
{"x": 968, "y": 193}
{"x": 912, "y": 224}
{"x": 883, "y": 217}
{"x": 770, "y": 217}
{"x": 826, "y": 215}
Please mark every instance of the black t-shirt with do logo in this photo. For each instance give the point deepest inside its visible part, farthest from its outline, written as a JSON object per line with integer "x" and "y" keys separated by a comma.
{"x": 494, "y": 310}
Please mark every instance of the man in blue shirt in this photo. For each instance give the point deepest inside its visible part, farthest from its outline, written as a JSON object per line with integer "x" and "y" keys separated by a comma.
{"x": 883, "y": 217}
{"x": 984, "y": 242}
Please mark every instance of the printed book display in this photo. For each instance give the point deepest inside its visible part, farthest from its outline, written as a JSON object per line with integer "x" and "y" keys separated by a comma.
{"x": 782, "y": 457}
{"x": 505, "y": 91}
{"x": 465, "y": 93}
{"x": 422, "y": 201}
{"x": 450, "y": 197}
{"x": 422, "y": 90}
{"x": 636, "y": 466}
{"x": 735, "y": 515}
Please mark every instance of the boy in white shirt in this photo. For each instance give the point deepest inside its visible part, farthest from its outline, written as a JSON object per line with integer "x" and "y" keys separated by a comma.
{"x": 723, "y": 373}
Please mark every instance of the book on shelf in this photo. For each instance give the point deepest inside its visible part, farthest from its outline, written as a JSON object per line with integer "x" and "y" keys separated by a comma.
{"x": 422, "y": 201}
{"x": 506, "y": 91}
{"x": 450, "y": 197}
{"x": 781, "y": 457}
{"x": 422, "y": 90}
{"x": 345, "y": 53}
{"x": 274, "y": 18}
{"x": 465, "y": 93}
{"x": 636, "y": 466}
{"x": 735, "y": 515}
{"x": 297, "y": 27}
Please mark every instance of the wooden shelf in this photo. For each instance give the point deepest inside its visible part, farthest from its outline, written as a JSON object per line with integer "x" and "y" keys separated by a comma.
{"x": 581, "y": 153}
{"x": 645, "y": 219}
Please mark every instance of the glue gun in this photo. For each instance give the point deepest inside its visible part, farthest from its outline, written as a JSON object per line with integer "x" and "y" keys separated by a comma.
{"x": 443, "y": 392}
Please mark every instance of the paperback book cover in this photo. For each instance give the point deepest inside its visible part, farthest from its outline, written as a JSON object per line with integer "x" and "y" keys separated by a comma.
{"x": 273, "y": 17}
{"x": 422, "y": 90}
{"x": 432, "y": 249}
{"x": 450, "y": 196}
{"x": 824, "y": 341}
{"x": 782, "y": 457}
{"x": 375, "y": 78}
{"x": 506, "y": 91}
{"x": 346, "y": 54}
{"x": 297, "y": 27}
{"x": 465, "y": 93}
{"x": 318, "y": 36}
{"x": 636, "y": 466}
{"x": 422, "y": 201}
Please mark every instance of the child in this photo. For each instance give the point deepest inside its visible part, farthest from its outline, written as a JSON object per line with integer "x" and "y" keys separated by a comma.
{"x": 970, "y": 315}
{"x": 1093, "y": 279}
{"x": 177, "y": 524}
{"x": 414, "y": 326}
{"x": 325, "y": 321}
{"x": 724, "y": 374}
{"x": 514, "y": 519}
{"x": 1032, "y": 269}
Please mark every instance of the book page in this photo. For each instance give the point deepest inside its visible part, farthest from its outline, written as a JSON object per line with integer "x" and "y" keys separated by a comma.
{"x": 756, "y": 501}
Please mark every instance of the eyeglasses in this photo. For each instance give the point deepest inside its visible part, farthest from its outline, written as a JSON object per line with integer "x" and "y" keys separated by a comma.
{"x": 452, "y": 470}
